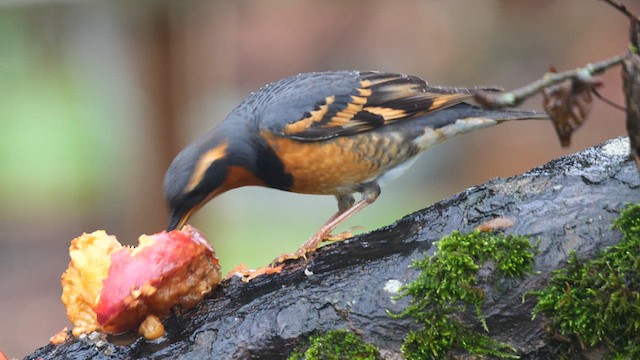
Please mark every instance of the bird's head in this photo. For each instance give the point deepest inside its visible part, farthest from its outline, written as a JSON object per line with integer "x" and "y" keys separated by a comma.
{"x": 200, "y": 172}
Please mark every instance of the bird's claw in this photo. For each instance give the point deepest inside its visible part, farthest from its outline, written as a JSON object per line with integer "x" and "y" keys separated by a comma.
{"x": 312, "y": 244}
{"x": 246, "y": 274}
{"x": 343, "y": 235}
{"x": 301, "y": 253}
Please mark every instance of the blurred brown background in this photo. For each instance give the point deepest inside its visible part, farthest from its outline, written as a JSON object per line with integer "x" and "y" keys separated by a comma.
{"x": 96, "y": 97}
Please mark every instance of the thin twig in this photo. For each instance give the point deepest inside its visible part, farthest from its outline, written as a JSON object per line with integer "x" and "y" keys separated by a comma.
{"x": 620, "y": 7}
{"x": 517, "y": 96}
{"x": 608, "y": 102}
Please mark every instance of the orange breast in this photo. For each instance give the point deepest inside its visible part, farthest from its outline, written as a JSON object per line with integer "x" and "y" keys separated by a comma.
{"x": 336, "y": 165}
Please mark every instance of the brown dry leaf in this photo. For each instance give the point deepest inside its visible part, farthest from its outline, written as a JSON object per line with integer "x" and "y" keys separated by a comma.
{"x": 569, "y": 105}
{"x": 498, "y": 223}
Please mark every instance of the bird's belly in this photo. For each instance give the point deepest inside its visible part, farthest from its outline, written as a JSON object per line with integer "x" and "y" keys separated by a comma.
{"x": 337, "y": 166}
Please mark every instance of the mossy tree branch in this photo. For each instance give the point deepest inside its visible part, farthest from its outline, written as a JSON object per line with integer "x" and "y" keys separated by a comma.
{"x": 568, "y": 204}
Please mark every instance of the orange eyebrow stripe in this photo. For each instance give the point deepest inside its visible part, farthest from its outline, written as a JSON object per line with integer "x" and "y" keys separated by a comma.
{"x": 206, "y": 159}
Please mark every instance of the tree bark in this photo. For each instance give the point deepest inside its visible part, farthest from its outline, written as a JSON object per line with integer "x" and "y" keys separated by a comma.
{"x": 568, "y": 204}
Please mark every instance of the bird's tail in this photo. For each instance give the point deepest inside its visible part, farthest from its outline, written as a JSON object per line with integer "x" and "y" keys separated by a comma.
{"x": 507, "y": 115}
{"x": 463, "y": 118}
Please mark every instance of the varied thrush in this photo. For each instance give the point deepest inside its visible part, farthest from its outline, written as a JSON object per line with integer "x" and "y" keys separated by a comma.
{"x": 328, "y": 133}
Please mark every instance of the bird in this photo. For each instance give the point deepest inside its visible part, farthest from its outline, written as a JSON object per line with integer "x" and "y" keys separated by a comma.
{"x": 334, "y": 133}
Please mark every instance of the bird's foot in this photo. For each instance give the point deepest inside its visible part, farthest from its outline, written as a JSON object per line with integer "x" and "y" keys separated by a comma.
{"x": 290, "y": 256}
{"x": 300, "y": 253}
{"x": 349, "y": 233}
{"x": 246, "y": 274}
{"x": 312, "y": 244}
{"x": 308, "y": 247}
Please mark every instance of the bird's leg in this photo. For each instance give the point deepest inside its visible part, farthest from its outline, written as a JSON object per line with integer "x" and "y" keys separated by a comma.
{"x": 345, "y": 202}
{"x": 369, "y": 195}
{"x": 346, "y": 208}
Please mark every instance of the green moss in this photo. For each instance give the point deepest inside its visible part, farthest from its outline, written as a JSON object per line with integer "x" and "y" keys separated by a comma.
{"x": 337, "y": 345}
{"x": 598, "y": 301}
{"x": 448, "y": 284}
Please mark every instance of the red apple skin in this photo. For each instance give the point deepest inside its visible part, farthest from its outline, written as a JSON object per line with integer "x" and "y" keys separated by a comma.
{"x": 136, "y": 274}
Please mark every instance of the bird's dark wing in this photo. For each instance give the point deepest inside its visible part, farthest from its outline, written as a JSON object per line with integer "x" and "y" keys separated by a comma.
{"x": 376, "y": 100}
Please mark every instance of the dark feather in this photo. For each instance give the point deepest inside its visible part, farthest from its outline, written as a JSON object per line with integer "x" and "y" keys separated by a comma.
{"x": 378, "y": 99}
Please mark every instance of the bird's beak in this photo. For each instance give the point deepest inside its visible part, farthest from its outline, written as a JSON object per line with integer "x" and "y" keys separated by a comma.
{"x": 177, "y": 219}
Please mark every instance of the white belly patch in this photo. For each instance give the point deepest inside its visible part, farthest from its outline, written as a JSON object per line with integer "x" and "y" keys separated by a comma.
{"x": 435, "y": 136}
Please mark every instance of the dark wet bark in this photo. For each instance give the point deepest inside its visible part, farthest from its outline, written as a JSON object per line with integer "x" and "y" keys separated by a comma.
{"x": 631, "y": 88}
{"x": 568, "y": 204}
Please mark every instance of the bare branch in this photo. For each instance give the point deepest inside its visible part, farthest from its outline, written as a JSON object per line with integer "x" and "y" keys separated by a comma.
{"x": 608, "y": 102}
{"x": 517, "y": 96}
{"x": 620, "y": 7}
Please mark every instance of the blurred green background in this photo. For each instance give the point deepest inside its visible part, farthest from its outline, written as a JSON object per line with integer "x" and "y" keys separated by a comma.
{"x": 97, "y": 97}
